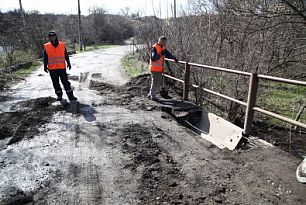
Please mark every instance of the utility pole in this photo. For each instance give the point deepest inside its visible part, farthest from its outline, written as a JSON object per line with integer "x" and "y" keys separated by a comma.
{"x": 22, "y": 12}
{"x": 20, "y": 5}
{"x": 80, "y": 26}
{"x": 174, "y": 9}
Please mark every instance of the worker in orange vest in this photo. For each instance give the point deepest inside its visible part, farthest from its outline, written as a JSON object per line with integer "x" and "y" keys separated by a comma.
{"x": 157, "y": 65}
{"x": 55, "y": 57}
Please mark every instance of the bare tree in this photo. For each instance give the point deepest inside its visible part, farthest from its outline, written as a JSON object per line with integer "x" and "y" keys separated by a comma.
{"x": 252, "y": 35}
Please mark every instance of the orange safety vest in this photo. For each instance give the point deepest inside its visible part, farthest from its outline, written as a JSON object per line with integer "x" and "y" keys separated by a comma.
{"x": 158, "y": 66}
{"x": 56, "y": 56}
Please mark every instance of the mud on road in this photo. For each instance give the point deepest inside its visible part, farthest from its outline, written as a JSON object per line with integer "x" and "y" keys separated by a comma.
{"x": 25, "y": 119}
{"x": 121, "y": 148}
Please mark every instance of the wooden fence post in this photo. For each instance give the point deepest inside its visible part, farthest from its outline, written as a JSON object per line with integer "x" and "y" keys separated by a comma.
{"x": 249, "y": 115}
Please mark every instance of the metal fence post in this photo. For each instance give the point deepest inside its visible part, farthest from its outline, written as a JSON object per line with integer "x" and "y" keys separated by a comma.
{"x": 249, "y": 115}
{"x": 186, "y": 81}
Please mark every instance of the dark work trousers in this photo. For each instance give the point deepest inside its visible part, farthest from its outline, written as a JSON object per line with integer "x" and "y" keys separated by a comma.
{"x": 56, "y": 75}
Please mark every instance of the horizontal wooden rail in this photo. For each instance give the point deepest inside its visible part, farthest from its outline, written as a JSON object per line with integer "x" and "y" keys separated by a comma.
{"x": 282, "y": 80}
{"x": 221, "y": 95}
{"x": 277, "y": 116}
{"x": 173, "y": 78}
{"x": 221, "y": 69}
{"x": 213, "y": 68}
{"x": 251, "y": 103}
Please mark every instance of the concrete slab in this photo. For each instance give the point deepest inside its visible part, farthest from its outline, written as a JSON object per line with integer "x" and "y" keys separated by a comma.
{"x": 301, "y": 172}
{"x": 219, "y": 131}
{"x": 211, "y": 127}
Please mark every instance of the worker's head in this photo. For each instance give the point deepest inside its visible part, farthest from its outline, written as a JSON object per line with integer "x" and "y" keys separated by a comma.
{"x": 52, "y": 37}
{"x": 162, "y": 40}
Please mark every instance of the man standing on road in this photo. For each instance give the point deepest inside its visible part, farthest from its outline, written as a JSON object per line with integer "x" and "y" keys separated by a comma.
{"x": 55, "y": 55}
{"x": 157, "y": 64}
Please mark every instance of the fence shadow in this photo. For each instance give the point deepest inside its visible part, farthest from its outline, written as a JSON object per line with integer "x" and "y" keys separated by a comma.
{"x": 187, "y": 114}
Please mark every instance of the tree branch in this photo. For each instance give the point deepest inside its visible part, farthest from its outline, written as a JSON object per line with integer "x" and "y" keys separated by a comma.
{"x": 295, "y": 9}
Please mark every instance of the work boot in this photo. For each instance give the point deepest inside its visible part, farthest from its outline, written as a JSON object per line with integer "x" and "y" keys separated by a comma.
{"x": 59, "y": 96}
{"x": 71, "y": 97}
{"x": 154, "y": 98}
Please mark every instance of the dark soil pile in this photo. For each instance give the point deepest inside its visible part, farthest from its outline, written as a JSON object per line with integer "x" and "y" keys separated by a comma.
{"x": 14, "y": 126}
{"x": 102, "y": 88}
{"x": 160, "y": 180}
{"x": 138, "y": 86}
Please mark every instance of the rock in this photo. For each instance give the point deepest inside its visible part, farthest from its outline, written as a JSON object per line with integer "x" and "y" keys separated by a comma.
{"x": 218, "y": 200}
{"x": 301, "y": 172}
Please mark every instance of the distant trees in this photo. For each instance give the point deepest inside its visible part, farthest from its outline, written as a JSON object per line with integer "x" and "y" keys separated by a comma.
{"x": 102, "y": 27}
{"x": 98, "y": 27}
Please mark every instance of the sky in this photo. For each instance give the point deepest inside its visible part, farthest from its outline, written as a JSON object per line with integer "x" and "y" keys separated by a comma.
{"x": 112, "y": 6}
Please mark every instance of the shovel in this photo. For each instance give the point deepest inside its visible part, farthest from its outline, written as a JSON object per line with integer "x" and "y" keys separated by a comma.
{"x": 163, "y": 90}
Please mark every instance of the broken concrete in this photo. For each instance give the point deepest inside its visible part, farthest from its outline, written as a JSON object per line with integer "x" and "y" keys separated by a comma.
{"x": 301, "y": 172}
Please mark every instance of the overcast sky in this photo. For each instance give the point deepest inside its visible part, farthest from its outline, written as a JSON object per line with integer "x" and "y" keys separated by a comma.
{"x": 112, "y": 6}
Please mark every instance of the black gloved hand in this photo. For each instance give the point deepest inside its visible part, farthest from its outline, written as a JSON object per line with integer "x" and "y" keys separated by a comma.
{"x": 69, "y": 66}
{"x": 46, "y": 69}
{"x": 175, "y": 59}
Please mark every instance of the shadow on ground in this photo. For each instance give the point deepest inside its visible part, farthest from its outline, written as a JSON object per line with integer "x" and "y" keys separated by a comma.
{"x": 76, "y": 107}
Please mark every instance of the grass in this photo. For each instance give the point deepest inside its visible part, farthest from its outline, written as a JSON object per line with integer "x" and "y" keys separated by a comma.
{"x": 8, "y": 79}
{"x": 133, "y": 66}
{"x": 281, "y": 98}
{"x": 17, "y": 56}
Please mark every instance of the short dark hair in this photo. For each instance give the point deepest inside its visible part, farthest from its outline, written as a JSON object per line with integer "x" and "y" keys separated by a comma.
{"x": 162, "y": 38}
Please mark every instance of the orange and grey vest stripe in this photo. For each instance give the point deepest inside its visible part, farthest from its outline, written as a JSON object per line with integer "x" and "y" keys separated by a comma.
{"x": 56, "y": 56}
{"x": 158, "y": 65}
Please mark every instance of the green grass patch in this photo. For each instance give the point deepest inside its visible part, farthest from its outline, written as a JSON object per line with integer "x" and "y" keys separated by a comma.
{"x": 133, "y": 66}
{"x": 282, "y": 98}
{"x": 8, "y": 79}
{"x": 14, "y": 58}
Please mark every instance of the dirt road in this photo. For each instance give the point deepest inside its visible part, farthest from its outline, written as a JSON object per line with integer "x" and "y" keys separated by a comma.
{"x": 120, "y": 148}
